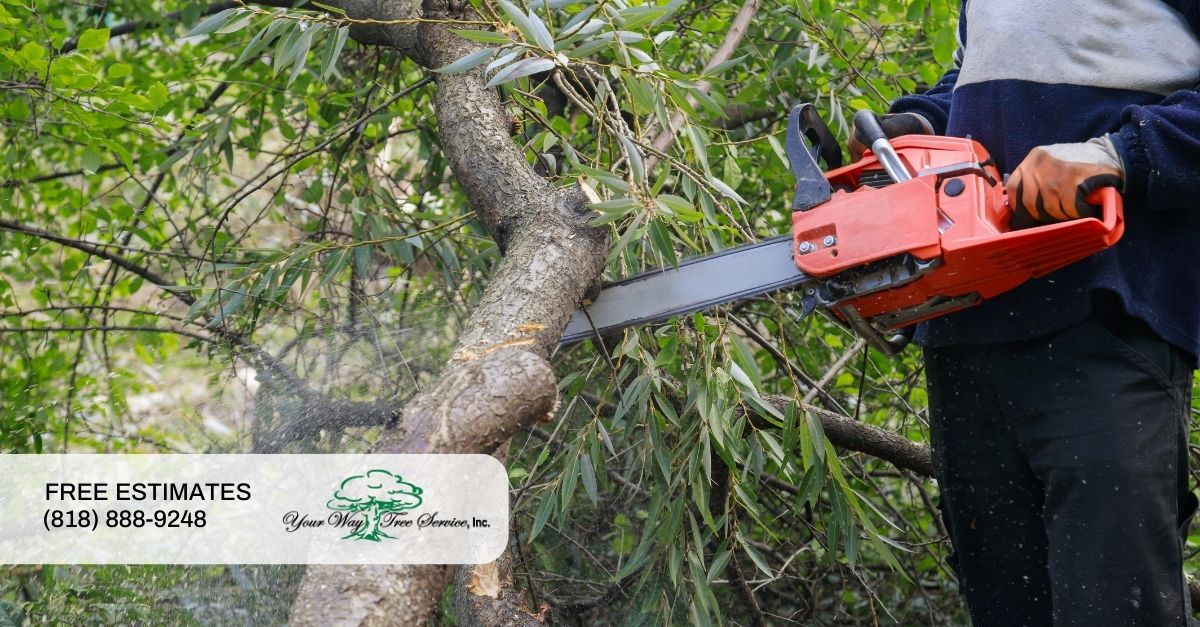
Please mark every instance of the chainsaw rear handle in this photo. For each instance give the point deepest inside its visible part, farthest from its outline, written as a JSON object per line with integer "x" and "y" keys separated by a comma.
{"x": 1111, "y": 214}
{"x": 870, "y": 133}
{"x": 1111, "y": 211}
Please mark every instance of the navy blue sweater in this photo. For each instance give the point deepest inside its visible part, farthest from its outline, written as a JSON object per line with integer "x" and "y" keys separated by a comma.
{"x": 1036, "y": 72}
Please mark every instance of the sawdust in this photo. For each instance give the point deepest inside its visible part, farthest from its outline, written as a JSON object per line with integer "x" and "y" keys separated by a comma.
{"x": 485, "y": 580}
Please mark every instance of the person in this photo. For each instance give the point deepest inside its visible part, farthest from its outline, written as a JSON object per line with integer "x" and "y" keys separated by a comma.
{"x": 1059, "y": 411}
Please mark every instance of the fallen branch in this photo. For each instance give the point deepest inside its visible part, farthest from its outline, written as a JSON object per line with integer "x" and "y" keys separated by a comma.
{"x": 864, "y": 438}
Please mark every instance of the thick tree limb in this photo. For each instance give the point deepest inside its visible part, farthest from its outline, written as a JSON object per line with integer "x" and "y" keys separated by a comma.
{"x": 501, "y": 390}
{"x": 402, "y": 37}
{"x": 498, "y": 380}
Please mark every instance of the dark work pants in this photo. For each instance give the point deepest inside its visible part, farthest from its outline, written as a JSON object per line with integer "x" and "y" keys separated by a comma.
{"x": 1062, "y": 465}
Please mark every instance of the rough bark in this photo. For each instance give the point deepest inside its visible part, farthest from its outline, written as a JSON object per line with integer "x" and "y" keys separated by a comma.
{"x": 475, "y": 405}
{"x": 337, "y": 596}
{"x": 471, "y": 408}
{"x": 401, "y": 36}
{"x": 498, "y": 380}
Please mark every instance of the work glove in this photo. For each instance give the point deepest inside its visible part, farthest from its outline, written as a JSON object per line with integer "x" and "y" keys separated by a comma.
{"x": 893, "y": 125}
{"x": 1052, "y": 184}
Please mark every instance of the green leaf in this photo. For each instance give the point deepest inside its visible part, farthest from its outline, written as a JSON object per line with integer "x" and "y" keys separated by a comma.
{"x": 588, "y": 475}
{"x": 482, "y": 36}
{"x": 634, "y": 17}
{"x": 523, "y": 23}
{"x": 122, "y": 151}
{"x": 636, "y": 167}
{"x": 207, "y": 26}
{"x": 543, "y": 514}
{"x": 302, "y": 45}
{"x": 520, "y": 69}
{"x": 285, "y": 48}
{"x": 772, "y": 445}
{"x": 718, "y": 565}
{"x": 335, "y": 51}
{"x": 470, "y": 61}
{"x": 262, "y": 40}
{"x": 90, "y": 161}
{"x": 613, "y": 210}
{"x": 608, "y": 179}
{"x": 699, "y": 145}
{"x": 119, "y": 70}
{"x": 236, "y": 25}
{"x": 158, "y": 94}
{"x": 32, "y": 52}
{"x": 740, "y": 377}
{"x": 232, "y": 303}
{"x": 755, "y": 556}
{"x": 501, "y": 61}
{"x": 540, "y": 32}
{"x": 777, "y": 148}
{"x": 330, "y": 8}
{"x": 580, "y": 18}
{"x": 679, "y": 207}
{"x": 590, "y": 46}
{"x": 198, "y": 307}
{"x": 744, "y": 357}
{"x": 661, "y": 240}
{"x": 725, "y": 190}
{"x": 92, "y": 39}
{"x": 721, "y": 67}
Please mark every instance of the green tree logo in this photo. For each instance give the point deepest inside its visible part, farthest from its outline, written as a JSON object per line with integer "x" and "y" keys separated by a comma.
{"x": 374, "y": 494}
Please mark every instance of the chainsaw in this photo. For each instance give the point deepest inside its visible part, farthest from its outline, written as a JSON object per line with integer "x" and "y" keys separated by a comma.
{"x": 916, "y": 229}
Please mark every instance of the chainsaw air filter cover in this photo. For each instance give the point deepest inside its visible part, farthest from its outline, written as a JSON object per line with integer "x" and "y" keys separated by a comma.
{"x": 898, "y": 254}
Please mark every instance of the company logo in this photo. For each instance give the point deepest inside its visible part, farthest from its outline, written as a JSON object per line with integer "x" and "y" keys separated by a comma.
{"x": 377, "y": 495}
{"x": 375, "y": 504}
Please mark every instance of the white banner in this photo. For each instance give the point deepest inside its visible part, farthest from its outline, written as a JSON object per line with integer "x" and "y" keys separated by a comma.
{"x": 252, "y": 509}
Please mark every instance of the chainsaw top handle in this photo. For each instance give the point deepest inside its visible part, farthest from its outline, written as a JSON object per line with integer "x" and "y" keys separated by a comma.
{"x": 870, "y": 133}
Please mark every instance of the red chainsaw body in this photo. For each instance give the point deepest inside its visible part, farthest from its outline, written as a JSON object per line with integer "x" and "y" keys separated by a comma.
{"x": 906, "y": 252}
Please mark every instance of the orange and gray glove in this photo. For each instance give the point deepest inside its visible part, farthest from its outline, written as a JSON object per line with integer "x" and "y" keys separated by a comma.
{"x": 893, "y": 125}
{"x": 1052, "y": 184}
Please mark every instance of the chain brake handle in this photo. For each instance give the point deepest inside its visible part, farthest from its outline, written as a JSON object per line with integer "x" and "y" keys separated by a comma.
{"x": 809, "y": 141}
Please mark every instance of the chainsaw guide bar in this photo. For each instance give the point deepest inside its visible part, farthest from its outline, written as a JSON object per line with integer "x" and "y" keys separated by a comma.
{"x": 697, "y": 284}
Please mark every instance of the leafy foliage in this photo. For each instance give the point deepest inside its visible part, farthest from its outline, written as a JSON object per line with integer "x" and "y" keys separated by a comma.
{"x": 289, "y": 226}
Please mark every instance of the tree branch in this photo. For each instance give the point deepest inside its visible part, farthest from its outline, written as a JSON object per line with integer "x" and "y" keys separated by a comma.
{"x": 99, "y": 250}
{"x": 737, "y": 31}
{"x": 864, "y": 438}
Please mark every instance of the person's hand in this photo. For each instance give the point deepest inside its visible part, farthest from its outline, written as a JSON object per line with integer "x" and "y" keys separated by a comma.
{"x": 1052, "y": 183}
{"x": 893, "y": 125}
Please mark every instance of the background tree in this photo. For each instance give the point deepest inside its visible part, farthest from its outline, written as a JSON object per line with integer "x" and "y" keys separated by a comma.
{"x": 342, "y": 226}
